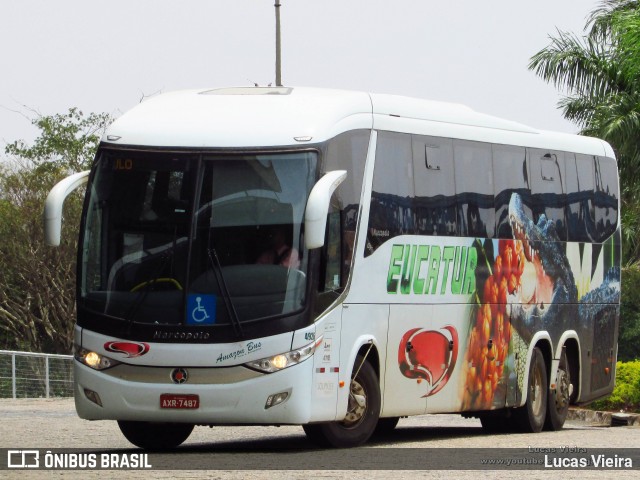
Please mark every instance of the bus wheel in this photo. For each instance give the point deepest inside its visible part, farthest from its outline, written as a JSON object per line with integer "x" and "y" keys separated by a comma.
{"x": 362, "y": 413}
{"x": 155, "y": 436}
{"x": 558, "y": 401}
{"x": 530, "y": 417}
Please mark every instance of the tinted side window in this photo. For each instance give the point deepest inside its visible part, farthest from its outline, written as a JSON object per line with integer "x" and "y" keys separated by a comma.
{"x": 510, "y": 176}
{"x": 435, "y": 202}
{"x": 392, "y": 194}
{"x": 347, "y": 151}
{"x": 606, "y": 198}
{"x": 474, "y": 188}
{"x": 579, "y": 197}
{"x": 547, "y": 188}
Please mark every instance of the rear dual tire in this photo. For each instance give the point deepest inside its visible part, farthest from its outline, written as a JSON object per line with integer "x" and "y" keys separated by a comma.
{"x": 559, "y": 397}
{"x": 545, "y": 408}
{"x": 531, "y": 416}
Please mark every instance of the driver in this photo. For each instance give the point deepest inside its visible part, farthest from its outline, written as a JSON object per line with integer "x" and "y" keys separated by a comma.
{"x": 279, "y": 253}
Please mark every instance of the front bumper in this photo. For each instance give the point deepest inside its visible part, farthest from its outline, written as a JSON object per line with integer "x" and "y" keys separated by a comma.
{"x": 225, "y": 397}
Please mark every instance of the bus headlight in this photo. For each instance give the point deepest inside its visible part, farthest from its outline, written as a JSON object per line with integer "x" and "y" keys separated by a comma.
{"x": 94, "y": 360}
{"x": 284, "y": 360}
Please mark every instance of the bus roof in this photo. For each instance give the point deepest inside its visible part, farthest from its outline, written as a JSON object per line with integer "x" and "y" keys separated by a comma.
{"x": 246, "y": 117}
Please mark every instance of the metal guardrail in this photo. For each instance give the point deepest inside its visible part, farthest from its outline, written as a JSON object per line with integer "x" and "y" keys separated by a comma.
{"x": 35, "y": 375}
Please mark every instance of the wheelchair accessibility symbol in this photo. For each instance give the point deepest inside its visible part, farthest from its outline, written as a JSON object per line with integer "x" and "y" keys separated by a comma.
{"x": 199, "y": 314}
{"x": 201, "y": 309}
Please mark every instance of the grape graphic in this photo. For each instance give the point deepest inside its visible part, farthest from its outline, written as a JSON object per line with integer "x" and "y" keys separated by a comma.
{"x": 491, "y": 335}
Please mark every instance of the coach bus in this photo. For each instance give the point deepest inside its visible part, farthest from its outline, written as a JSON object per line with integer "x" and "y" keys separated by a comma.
{"x": 338, "y": 260}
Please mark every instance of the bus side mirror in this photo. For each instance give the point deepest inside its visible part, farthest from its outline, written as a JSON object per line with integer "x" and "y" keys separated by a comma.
{"x": 315, "y": 216}
{"x": 53, "y": 206}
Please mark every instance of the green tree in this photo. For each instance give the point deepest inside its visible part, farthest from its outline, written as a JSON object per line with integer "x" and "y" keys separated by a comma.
{"x": 629, "y": 335}
{"x": 37, "y": 288}
{"x": 599, "y": 74}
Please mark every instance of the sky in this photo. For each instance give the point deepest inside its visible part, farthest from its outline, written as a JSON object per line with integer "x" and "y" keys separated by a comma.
{"x": 105, "y": 56}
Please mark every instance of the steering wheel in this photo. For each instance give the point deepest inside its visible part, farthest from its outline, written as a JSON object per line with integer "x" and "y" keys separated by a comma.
{"x": 164, "y": 280}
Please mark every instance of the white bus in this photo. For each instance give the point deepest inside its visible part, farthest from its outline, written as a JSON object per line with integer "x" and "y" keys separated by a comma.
{"x": 337, "y": 260}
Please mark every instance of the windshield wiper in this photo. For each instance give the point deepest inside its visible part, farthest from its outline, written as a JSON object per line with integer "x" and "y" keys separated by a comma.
{"x": 228, "y": 303}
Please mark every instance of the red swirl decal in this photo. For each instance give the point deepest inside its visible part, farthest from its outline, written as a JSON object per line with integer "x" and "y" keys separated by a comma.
{"x": 430, "y": 355}
{"x": 128, "y": 349}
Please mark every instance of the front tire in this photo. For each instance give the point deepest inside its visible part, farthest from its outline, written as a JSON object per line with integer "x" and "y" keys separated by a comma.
{"x": 558, "y": 401}
{"x": 362, "y": 415}
{"x": 155, "y": 436}
{"x": 531, "y": 416}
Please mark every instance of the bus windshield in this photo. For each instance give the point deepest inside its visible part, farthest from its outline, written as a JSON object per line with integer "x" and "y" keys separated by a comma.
{"x": 195, "y": 239}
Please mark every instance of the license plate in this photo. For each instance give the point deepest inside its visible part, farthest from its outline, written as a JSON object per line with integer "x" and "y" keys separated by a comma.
{"x": 170, "y": 400}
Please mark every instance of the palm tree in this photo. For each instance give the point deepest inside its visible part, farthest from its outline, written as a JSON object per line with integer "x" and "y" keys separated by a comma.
{"x": 600, "y": 74}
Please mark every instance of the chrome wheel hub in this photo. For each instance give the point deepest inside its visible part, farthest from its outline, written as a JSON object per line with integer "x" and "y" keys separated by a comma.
{"x": 536, "y": 394}
{"x": 357, "y": 405}
{"x": 563, "y": 390}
